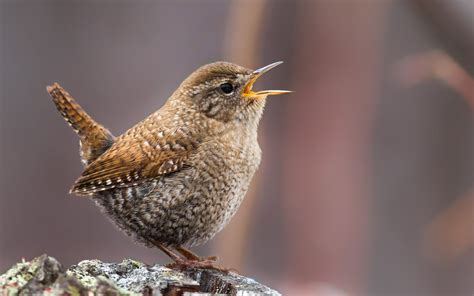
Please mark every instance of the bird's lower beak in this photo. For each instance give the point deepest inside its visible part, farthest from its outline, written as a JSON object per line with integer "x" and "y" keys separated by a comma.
{"x": 248, "y": 92}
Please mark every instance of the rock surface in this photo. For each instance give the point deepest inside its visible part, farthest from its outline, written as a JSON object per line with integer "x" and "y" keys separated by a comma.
{"x": 44, "y": 275}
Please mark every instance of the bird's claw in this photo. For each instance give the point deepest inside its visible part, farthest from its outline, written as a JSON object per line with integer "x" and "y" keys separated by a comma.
{"x": 209, "y": 258}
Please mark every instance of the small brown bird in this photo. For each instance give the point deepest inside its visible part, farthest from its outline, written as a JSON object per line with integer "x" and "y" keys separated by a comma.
{"x": 176, "y": 178}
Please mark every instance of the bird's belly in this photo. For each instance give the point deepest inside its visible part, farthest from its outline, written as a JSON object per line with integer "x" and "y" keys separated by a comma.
{"x": 185, "y": 208}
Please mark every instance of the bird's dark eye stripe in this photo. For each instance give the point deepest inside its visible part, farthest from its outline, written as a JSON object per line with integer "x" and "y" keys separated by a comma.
{"x": 227, "y": 88}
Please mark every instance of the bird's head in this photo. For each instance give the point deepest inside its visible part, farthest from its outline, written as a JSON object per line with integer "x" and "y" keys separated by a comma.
{"x": 223, "y": 91}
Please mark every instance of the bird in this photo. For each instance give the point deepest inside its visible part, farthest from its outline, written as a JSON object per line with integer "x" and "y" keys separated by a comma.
{"x": 176, "y": 178}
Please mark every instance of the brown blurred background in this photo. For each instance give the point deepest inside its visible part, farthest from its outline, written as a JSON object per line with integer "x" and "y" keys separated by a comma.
{"x": 366, "y": 186}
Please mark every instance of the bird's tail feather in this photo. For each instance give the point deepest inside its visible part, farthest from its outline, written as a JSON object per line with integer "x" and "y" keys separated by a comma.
{"x": 95, "y": 139}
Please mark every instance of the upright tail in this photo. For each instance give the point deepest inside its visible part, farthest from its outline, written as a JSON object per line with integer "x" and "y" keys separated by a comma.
{"x": 94, "y": 138}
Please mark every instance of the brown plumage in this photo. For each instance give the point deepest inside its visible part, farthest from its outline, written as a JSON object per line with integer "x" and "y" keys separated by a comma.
{"x": 177, "y": 177}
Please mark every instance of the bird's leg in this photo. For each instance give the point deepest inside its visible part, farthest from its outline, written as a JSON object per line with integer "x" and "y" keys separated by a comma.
{"x": 192, "y": 256}
{"x": 171, "y": 254}
{"x": 180, "y": 262}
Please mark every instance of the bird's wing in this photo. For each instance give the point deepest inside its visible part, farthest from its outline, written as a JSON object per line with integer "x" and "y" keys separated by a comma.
{"x": 136, "y": 157}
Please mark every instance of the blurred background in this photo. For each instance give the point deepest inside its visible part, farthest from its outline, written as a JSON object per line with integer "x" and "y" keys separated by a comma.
{"x": 366, "y": 185}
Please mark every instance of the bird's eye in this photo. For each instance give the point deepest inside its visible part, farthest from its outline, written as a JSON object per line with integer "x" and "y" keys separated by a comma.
{"x": 227, "y": 88}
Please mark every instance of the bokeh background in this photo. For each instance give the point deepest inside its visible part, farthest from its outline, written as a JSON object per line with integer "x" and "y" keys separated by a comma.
{"x": 366, "y": 185}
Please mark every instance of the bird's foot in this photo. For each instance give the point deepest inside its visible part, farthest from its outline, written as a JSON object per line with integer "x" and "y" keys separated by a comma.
{"x": 193, "y": 256}
{"x": 191, "y": 260}
{"x": 202, "y": 263}
{"x": 206, "y": 258}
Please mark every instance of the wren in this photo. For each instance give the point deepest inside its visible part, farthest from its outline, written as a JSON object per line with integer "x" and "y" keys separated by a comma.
{"x": 176, "y": 178}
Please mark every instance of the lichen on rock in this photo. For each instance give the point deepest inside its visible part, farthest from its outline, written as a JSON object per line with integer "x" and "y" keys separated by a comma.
{"x": 31, "y": 277}
{"x": 130, "y": 276}
{"x": 44, "y": 275}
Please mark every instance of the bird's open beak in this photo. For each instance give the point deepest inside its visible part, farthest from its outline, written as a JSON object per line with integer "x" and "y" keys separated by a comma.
{"x": 263, "y": 93}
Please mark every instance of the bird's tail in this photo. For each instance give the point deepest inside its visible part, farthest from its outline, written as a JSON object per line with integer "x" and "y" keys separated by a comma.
{"x": 95, "y": 139}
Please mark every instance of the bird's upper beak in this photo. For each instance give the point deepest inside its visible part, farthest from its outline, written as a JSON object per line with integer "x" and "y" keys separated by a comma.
{"x": 247, "y": 91}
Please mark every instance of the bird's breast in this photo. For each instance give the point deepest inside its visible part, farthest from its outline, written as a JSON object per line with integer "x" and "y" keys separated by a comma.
{"x": 227, "y": 170}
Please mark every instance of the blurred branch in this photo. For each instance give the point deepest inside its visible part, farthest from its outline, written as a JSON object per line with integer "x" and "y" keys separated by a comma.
{"x": 246, "y": 22}
{"x": 452, "y": 21}
{"x": 326, "y": 171}
{"x": 438, "y": 65}
{"x": 450, "y": 234}
{"x": 244, "y": 29}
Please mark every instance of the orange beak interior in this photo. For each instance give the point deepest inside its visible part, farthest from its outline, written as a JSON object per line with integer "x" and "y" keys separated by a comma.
{"x": 248, "y": 92}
